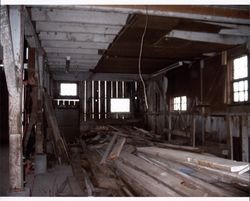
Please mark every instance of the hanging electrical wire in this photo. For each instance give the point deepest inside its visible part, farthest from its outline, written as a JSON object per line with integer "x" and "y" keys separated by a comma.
{"x": 139, "y": 63}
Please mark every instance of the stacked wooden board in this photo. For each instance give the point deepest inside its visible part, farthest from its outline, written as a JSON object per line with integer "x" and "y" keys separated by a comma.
{"x": 172, "y": 171}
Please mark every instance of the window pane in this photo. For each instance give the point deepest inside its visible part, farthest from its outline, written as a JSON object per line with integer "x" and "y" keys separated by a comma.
{"x": 236, "y": 96}
{"x": 184, "y": 99}
{"x": 241, "y": 96}
{"x": 246, "y": 95}
{"x": 68, "y": 89}
{"x": 241, "y": 86}
{"x": 246, "y": 85}
{"x": 177, "y": 100}
{"x": 184, "y": 107}
{"x": 240, "y": 67}
{"x": 236, "y": 86}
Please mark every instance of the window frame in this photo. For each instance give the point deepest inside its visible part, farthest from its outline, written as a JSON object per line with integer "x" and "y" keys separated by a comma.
{"x": 239, "y": 80}
{"x": 180, "y": 104}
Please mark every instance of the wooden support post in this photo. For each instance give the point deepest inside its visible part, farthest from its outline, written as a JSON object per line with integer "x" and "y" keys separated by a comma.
{"x": 39, "y": 125}
{"x": 169, "y": 126}
{"x": 244, "y": 138}
{"x": 12, "y": 40}
{"x": 193, "y": 130}
{"x": 81, "y": 95}
{"x": 230, "y": 137}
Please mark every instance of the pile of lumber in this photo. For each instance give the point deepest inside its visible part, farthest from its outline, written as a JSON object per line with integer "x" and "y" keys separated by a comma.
{"x": 141, "y": 165}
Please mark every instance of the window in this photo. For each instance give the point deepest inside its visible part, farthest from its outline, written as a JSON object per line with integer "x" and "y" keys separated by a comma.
{"x": 68, "y": 89}
{"x": 240, "y": 82}
{"x": 180, "y": 103}
{"x": 120, "y": 105}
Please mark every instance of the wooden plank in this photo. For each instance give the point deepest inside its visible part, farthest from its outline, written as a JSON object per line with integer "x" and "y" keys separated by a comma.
{"x": 51, "y": 119}
{"x": 208, "y": 161}
{"x": 115, "y": 153}
{"x": 208, "y": 188}
{"x": 162, "y": 176}
{"x": 178, "y": 147}
{"x": 106, "y": 153}
{"x": 144, "y": 184}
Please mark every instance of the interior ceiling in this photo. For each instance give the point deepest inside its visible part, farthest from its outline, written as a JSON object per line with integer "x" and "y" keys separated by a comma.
{"x": 158, "y": 52}
{"x": 109, "y": 42}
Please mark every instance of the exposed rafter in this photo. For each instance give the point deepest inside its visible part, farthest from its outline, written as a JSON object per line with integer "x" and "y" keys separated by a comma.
{"x": 73, "y": 44}
{"x": 82, "y": 37}
{"x": 197, "y": 12}
{"x": 236, "y": 32}
{"x": 88, "y": 17}
{"x": 30, "y": 33}
{"x": 71, "y": 50}
{"x": 206, "y": 37}
{"x": 73, "y": 56}
{"x": 77, "y": 28}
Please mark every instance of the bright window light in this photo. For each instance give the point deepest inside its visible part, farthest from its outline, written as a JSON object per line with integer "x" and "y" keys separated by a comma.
{"x": 120, "y": 105}
{"x": 68, "y": 89}
{"x": 180, "y": 103}
{"x": 240, "y": 79}
{"x": 240, "y": 68}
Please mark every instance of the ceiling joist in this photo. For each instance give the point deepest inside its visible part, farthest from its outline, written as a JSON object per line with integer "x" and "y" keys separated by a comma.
{"x": 206, "y": 37}
{"x": 82, "y": 37}
{"x": 88, "y": 17}
{"x": 77, "y": 28}
{"x": 71, "y": 51}
{"x": 72, "y": 44}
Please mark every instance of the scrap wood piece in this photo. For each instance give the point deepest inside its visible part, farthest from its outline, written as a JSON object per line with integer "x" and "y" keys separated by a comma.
{"x": 195, "y": 158}
{"x": 89, "y": 186}
{"x": 143, "y": 131}
{"x": 117, "y": 148}
{"x": 51, "y": 119}
{"x": 178, "y": 147}
{"x": 106, "y": 153}
{"x": 211, "y": 189}
{"x": 177, "y": 184}
{"x": 141, "y": 183}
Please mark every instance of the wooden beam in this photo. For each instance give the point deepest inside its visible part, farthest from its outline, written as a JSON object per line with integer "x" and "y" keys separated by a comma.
{"x": 73, "y": 44}
{"x": 207, "y": 37}
{"x": 197, "y": 12}
{"x": 236, "y": 32}
{"x": 97, "y": 76}
{"x": 12, "y": 40}
{"x": 81, "y": 37}
{"x": 89, "y": 17}
{"x": 30, "y": 33}
{"x": 73, "y": 56}
{"x": 73, "y": 60}
{"x": 77, "y": 28}
{"x": 71, "y": 51}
